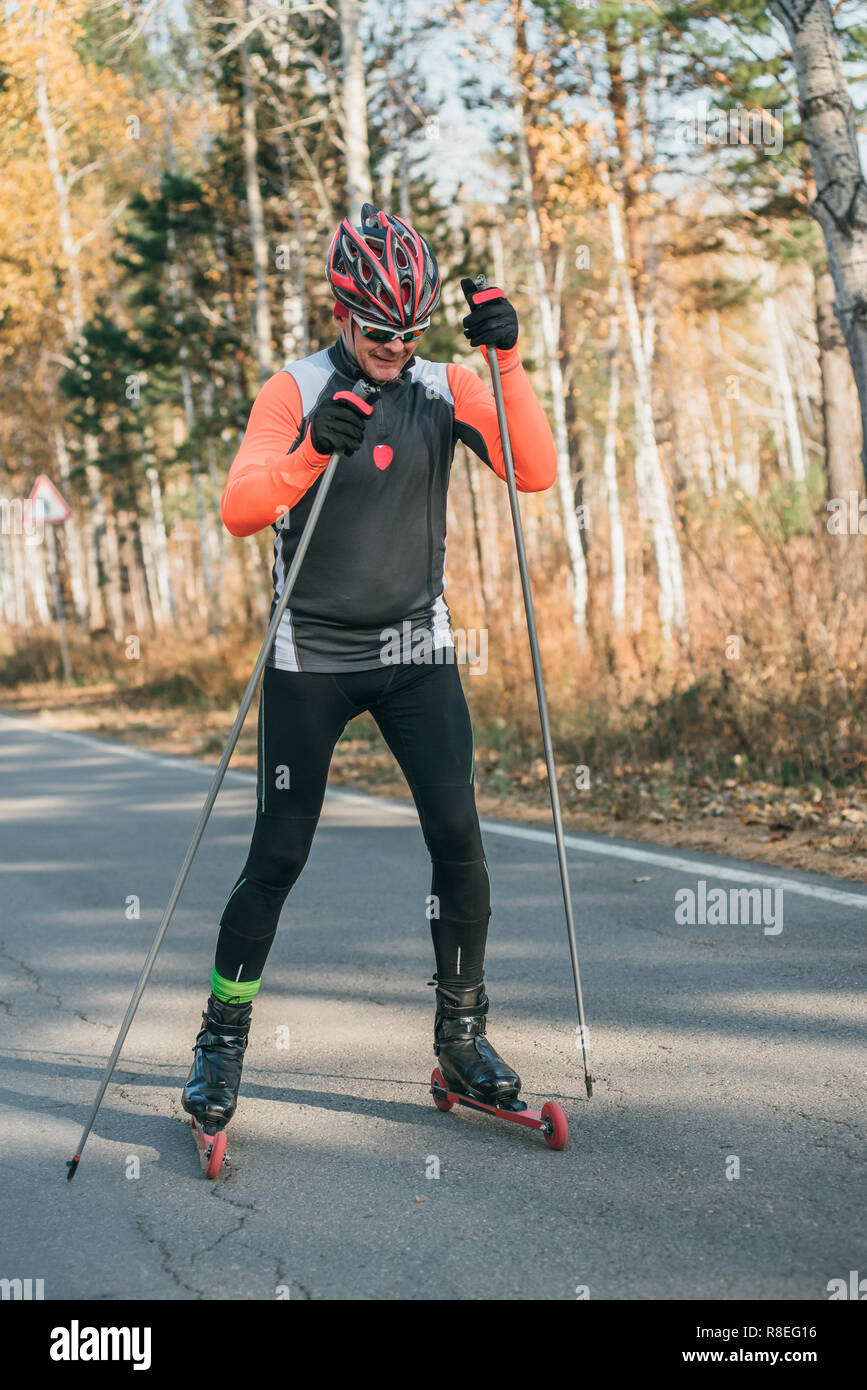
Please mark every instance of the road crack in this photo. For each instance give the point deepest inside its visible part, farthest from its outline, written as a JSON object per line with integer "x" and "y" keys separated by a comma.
{"x": 40, "y": 988}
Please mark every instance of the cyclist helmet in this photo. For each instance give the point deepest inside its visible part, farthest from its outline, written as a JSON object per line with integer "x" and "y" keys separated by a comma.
{"x": 383, "y": 269}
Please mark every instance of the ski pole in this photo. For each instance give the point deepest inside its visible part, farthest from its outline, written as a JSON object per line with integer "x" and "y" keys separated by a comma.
{"x": 362, "y": 389}
{"x": 493, "y": 362}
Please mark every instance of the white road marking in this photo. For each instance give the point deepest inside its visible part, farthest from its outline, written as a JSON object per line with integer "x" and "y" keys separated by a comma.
{"x": 122, "y": 750}
{"x": 661, "y": 859}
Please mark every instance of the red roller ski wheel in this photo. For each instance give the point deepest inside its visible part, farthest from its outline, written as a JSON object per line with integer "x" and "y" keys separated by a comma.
{"x": 441, "y": 1102}
{"x": 212, "y": 1149}
{"x": 556, "y": 1131}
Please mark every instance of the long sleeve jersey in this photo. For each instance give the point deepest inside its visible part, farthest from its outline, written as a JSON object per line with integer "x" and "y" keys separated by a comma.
{"x": 375, "y": 566}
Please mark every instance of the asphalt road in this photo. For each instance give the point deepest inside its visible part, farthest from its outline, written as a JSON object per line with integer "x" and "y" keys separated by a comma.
{"x": 715, "y": 1049}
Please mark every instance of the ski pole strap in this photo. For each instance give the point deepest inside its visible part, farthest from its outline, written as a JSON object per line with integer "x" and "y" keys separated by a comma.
{"x": 363, "y": 406}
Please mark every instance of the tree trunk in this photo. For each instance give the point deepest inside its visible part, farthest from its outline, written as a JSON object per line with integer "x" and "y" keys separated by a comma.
{"x": 648, "y": 470}
{"x": 777, "y": 350}
{"x": 828, "y": 120}
{"x": 577, "y": 559}
{"x": 148, "y": 557}
{"x": 839, "y": 396}
{"x": 161, "y": 546}
{"x": 842, "y": 431}
{"x": 71, "y": 534}
{"x": 294, "y": 269}
{"x": 19, "y": 581}
{"x": 354, "y": 111}
{"x": 609, "y": 473}
{"x": 35, "y": 570}
{"x": 216, "y": 530}
{"x": 256, "y": 216}
{"x": 728, "y": 431}
{"x": 103, "y": 558}
{"x": 231, "y": 315}
{"x": 626, "y": 154}
{"x": 137, "y": 599}
{"x": 190, "y": 419}
{"x": 8, "y": 605}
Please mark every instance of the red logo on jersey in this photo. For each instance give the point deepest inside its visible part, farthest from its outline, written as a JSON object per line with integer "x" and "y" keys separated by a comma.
{"x": 382, "y": 455}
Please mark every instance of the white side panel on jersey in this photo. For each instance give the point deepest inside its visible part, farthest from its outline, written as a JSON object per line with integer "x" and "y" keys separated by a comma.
{"x": 310, "y": 374}
{"x": 440, "y": 627}
{"x": 433, "y": 376}
{"x": 285, "y": 650}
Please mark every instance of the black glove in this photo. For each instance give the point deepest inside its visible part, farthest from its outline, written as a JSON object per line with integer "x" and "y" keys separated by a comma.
{"x": 337, "y": 425}
{"x": 492, "y": 321}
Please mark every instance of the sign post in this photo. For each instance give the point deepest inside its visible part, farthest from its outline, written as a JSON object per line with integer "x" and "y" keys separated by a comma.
{"x": 48, "y": 505}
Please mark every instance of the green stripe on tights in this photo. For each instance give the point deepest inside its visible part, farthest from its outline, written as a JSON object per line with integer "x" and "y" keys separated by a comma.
{"x": 234, "y": 991}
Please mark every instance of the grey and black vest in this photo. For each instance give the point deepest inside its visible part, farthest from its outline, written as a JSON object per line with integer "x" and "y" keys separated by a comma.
{"x": 371, "y": 584}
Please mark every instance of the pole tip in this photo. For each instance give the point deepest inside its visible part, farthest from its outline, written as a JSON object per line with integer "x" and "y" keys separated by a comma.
{"x": 72, "y": 1166}
{"x": 588, "y": 1082}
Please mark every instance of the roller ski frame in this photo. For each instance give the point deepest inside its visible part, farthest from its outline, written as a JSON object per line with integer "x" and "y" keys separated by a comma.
{"x": 212, "y": 1149}
{"x": 551, "y": 1120}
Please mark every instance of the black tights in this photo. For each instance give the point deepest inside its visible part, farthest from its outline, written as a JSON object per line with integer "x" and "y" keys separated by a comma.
{"x": 423, "y": 716}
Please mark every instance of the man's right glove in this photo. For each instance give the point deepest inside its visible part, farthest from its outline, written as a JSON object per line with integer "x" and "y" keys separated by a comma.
{"x": 337, "y": 425}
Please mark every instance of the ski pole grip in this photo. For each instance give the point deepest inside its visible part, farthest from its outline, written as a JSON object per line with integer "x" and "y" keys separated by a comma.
{"x": 358, "y": 401}
{"x": 480, "y": 294}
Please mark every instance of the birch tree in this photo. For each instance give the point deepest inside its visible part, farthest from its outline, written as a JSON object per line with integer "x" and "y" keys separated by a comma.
{"x": 359, "y": 188}
{"x": 840, "y": 205}
{"x": 256, "y": 214}
{"x": 553, "y": 368}
{"x": 609, "y": 469}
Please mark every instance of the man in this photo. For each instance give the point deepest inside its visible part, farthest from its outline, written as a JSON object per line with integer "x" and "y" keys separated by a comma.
{"x": 375, "y": 566}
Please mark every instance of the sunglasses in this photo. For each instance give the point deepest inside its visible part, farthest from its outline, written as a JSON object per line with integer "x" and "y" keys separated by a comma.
{"x": 375, "y": 333}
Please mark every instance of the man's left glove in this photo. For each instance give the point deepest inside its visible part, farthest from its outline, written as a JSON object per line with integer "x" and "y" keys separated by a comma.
{"x": 492, "y": 321}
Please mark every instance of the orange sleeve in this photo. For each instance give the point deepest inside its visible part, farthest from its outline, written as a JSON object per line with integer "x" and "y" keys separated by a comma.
{"x": 476, "y": 422}
{"x": 265, "y": 480}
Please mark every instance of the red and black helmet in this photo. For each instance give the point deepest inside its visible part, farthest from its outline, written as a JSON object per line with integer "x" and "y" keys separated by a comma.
{"x": 383, "y": 269}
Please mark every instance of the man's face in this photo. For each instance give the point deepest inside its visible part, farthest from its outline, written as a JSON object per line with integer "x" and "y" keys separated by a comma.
{"x": 378, "y": 361}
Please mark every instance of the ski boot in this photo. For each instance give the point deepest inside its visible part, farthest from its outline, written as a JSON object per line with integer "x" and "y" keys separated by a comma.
{"x": 467, "y": 1060}
{"x": 471, "y": 1073}
{"x": 211, "y": 1091}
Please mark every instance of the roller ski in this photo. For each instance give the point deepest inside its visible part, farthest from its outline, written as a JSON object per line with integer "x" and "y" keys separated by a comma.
{"x": 210, "y": 1095}
{"x": 472, "y": 1073}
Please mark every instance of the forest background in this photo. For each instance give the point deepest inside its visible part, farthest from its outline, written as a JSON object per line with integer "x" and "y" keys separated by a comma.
{"x": 674, "y": 199}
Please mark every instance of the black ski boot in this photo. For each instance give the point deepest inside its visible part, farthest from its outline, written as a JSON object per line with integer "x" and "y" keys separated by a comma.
{"x": 211, "y": 1092}
{"x": 467, "y": 1060}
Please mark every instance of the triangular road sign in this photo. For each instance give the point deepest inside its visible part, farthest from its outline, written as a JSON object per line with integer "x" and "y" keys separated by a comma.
{"x": 52, "y": 507}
